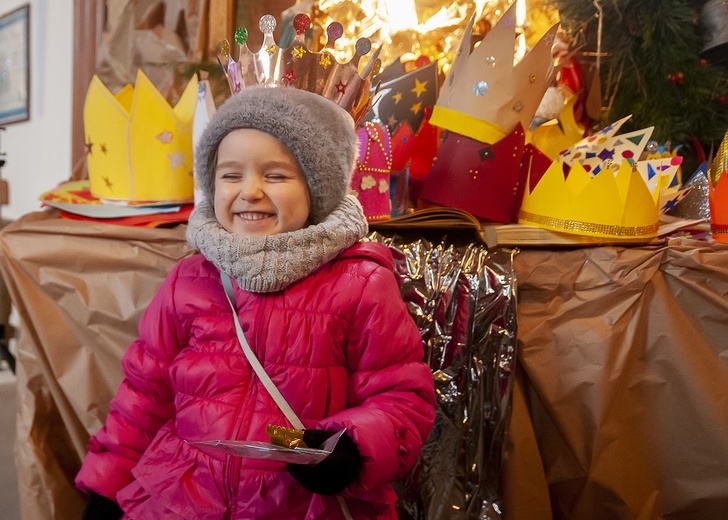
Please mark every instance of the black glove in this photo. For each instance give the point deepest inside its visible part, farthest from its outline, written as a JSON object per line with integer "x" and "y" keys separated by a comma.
{"x": 101, "y": 508}
{"x": 335, "y": 472}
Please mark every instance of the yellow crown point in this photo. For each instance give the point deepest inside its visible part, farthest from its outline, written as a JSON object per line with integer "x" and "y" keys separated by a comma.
{"x": 138, "y": 147}
{"x": 663, "y": 173}
{"x": 555, "y": 136}
{"x": 106, "y": 119}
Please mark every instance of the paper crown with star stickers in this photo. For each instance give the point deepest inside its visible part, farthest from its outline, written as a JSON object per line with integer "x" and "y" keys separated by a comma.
{"x": 484, "y": 105}
{"x": 405, "y": 97}
{"x": 718, "y": 193}
{"x": 138, "y": 147}
{"x": 598, "y": 188}
{"x": 299, "y": 67}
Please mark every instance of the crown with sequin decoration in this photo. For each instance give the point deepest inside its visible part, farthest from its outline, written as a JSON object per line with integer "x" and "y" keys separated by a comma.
{"x": 138, "y": 147}
{"x": 598, "y": 188}
{"x": 299, "y": 67}
{"x": 718, "y": 193}
{"x": 484, "y": 105}
{"x": 485, "y": 95}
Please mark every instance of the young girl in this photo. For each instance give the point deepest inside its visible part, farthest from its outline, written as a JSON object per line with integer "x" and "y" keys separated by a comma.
{"x": 320, "y": 310}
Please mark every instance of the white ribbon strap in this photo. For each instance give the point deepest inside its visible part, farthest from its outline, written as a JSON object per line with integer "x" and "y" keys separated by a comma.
{"x": 257, "y": 367}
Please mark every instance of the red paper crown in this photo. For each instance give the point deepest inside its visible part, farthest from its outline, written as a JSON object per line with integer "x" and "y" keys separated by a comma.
{"x": 484, "y": 104}
{"x": 480, "y": 178}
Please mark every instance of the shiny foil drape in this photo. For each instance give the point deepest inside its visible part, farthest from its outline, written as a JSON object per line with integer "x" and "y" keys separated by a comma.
{"x": 462, "y": 297}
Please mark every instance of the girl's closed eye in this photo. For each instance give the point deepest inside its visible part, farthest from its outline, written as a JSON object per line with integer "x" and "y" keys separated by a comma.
{"x": 278, "y": 176}
{"x": 231, "y": 176}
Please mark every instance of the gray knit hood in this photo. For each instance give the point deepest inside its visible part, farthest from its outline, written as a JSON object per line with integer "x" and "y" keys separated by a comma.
{"x": 320, "y": 134}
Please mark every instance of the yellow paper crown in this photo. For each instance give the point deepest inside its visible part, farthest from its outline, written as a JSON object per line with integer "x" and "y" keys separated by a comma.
{"x": 610, "y": 204}
{"x": 718, "y": 193}
{"x": 299, "y": 67}
{"x": 139, "y": 148}
{"x": 485, "y": 95}
{"x": 607, "y": 192}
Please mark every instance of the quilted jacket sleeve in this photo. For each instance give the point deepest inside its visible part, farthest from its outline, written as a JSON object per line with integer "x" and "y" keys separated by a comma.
{"x": 391, "y": 398}
{"x": 143, "y": 402}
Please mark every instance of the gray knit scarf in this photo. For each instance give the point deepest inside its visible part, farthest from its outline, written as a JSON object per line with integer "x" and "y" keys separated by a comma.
{"x": 273, "y": 262}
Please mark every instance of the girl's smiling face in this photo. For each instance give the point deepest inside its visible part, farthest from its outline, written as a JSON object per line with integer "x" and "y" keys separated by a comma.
{"x": 259, "y": 186}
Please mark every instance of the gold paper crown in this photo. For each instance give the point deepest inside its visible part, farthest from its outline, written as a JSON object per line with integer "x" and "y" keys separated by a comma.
{"x": 607, "y": 205}
{"x": 299, "y": 67}
{"x": 718, "y": 193}
{"x": 139, "y": 148}
{"x": 485, "y": 95}
{"x": 607, "y": 193}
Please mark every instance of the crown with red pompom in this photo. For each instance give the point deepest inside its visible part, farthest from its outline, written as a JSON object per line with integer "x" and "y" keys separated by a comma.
{"x": 484, "y": 105}
{"x": 298, "y": 66}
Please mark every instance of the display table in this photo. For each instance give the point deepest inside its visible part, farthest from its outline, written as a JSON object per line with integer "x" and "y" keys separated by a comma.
{"x": 620, "y": 408}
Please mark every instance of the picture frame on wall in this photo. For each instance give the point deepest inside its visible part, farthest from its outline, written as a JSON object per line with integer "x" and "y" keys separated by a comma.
{"x": 15, "y": 65}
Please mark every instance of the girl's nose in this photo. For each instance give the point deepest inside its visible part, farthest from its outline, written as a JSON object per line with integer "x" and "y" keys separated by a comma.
{"x": 251, "y": 188}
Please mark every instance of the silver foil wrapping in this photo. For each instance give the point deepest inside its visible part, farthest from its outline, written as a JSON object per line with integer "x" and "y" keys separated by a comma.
{"x": 463, "y": 299}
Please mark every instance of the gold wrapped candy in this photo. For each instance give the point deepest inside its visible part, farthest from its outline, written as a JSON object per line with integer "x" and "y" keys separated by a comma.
{"x": 286, "y": 437}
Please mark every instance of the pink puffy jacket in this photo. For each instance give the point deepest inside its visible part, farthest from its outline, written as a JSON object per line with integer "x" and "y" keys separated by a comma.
{"x": 340, "y": 346}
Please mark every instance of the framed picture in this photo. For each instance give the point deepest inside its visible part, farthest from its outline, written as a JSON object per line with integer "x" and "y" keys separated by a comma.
{"x": 15, "y": 66}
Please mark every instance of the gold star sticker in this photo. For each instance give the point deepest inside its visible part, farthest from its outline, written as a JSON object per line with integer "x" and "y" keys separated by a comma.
{"x": 271, "y": 49}
{"x": 420, "y": 87}
{"x": 298, "y": 52}
{"x": 397, "y": 98}
{"x": 391, "y": 121}
{"x": 415, "y": 109}
{"x": 325, "y": 61}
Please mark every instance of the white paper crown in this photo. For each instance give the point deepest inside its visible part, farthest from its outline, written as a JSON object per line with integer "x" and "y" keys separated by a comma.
{"x": 485, "y": 94}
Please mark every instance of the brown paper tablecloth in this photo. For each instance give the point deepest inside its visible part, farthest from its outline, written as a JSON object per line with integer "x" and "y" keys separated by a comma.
{"x": 79, "y": 289}
{"x": 620, "y": 409}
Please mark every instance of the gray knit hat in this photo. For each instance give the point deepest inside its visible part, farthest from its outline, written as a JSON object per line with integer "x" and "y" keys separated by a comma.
{"x": 319, "y": 133}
